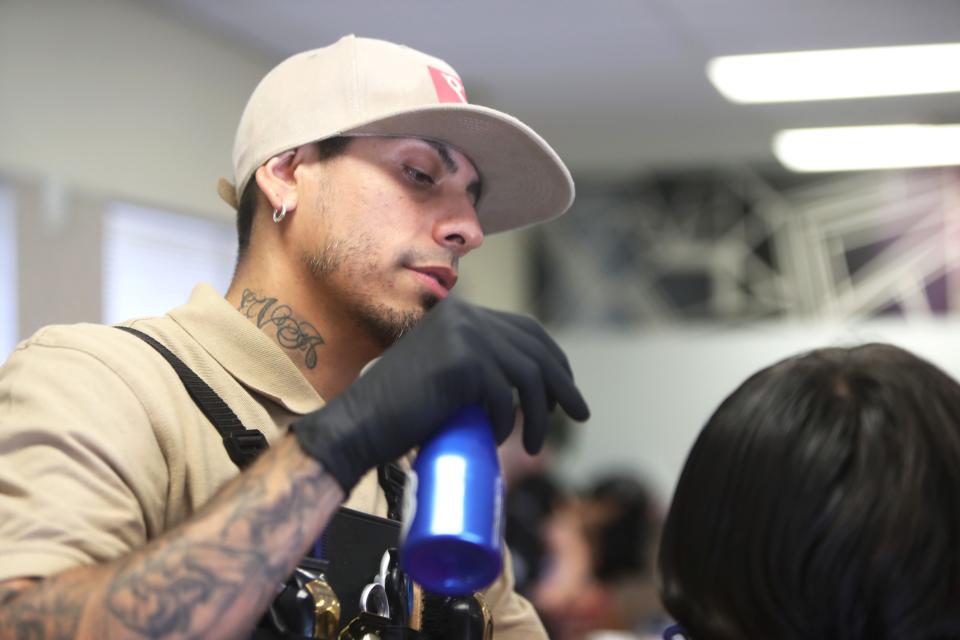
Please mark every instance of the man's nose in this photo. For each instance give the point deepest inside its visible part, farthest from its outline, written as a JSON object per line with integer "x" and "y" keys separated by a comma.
{"x": 459, "y": 229}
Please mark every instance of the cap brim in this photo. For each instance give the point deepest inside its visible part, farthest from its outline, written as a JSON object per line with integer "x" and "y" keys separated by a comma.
{"x": 524, "y": 181}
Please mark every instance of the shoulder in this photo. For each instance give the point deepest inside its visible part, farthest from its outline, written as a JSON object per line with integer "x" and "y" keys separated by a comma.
{"x": 84, "y": 368}
{"x": 96, "y": 344}
{"x": 84, "y": 470}
{"x": 97, "y": 341}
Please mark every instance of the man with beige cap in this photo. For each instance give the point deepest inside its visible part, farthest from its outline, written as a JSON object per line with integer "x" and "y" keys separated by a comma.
{"x": 362, "y": 176}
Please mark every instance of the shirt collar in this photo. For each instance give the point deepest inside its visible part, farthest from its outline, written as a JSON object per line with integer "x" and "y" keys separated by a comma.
{"x": 244, "y": 350}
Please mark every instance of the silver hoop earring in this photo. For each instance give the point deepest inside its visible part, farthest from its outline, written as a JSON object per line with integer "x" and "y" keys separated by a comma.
{"x": 280, "y": 215}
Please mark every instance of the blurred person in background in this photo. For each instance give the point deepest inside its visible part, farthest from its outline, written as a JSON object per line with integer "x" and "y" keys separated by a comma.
{"x": 623, "y": 520}
{"x": 533, "y": 494}
{"x": 599, "y": 577}
{"x": 584, "y": 558}
{"x": 821, "y": 501}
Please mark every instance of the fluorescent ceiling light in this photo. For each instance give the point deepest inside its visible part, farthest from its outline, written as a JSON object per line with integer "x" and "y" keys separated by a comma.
{"x": 858, "y": 148}
{"x": 839, "y": 73}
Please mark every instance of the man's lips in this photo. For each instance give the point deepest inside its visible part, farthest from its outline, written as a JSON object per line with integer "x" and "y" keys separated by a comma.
{"x": 443, "y": 277}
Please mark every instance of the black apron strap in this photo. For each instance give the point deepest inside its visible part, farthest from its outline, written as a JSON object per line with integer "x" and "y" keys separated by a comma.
{"x": 243, "y": 445}
{"x": 392, "y": 479}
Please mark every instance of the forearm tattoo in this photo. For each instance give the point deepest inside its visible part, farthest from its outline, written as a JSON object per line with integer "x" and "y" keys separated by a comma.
{"x": 212, "y": 577}
{"x": 37, "y": 614}
{"x": 291, "y": 333}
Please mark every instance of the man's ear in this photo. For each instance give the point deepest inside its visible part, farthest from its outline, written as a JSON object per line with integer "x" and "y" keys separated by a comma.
{"x": 277, "y": 181}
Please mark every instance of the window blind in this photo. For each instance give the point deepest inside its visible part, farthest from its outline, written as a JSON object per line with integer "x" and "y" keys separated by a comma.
{"x": 9, "y": 298}
{"x": 153, "y": 258}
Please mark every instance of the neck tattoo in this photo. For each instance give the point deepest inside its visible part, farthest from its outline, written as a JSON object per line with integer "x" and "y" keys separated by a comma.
{"x": 291, "y": 333}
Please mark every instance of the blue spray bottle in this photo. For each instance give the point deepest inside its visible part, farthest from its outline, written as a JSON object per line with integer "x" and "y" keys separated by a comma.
{"x": 452, "y": 535}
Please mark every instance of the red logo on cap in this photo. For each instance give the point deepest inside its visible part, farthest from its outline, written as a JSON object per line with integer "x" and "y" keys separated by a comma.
{"x": 449, "y": 87}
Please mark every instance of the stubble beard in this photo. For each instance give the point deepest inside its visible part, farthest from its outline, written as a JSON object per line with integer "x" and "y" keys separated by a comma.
{"x": 385, "y": 324}
{"x": 389, "y": 325}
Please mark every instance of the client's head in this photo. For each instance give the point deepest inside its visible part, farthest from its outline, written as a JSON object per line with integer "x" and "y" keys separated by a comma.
{"x": 822, "y": 501}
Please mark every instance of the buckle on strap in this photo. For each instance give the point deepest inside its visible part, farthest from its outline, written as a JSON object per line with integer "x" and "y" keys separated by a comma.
{"x": 244, "y": 446}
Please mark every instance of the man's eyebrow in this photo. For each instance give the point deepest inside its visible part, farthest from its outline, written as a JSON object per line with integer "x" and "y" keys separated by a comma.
{"x": 445, "y": 156}
{"x": 474, "y": 188}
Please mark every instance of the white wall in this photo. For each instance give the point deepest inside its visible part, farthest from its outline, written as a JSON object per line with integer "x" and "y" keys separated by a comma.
{"x": 498, "y": 274}
{"x": 103, "y": 100}
{"x": 116, "y": 97}
{"x": 651, "y": 392}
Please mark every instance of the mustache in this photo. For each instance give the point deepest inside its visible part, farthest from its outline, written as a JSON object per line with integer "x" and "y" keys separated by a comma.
{"x": 444, "y": 258}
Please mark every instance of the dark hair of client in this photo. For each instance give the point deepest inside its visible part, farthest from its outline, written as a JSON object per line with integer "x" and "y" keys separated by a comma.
{"x": 250, "y": 198}
{"x": 822, "y": 501}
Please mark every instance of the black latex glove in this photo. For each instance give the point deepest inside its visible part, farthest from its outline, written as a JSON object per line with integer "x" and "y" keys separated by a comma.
{"x": 458, "y": 354}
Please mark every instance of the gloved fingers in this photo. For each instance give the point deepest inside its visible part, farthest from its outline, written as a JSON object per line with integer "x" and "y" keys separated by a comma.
{"x": 497, "y": 399}
{"x": 535, "y": 330}
{"x": 559, "y": 386}
{"x": 491, "y": 368}
{"x": 526, "y": 376}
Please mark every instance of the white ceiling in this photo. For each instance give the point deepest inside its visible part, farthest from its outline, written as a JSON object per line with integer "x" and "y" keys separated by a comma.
{"x": 614, "y": 85}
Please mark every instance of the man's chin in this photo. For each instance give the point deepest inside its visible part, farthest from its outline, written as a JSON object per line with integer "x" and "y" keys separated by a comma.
{"x": 389, "y": 324}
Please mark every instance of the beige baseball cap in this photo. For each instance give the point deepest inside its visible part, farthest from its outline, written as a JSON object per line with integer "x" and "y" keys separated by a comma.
{"x": 362, "y": 86}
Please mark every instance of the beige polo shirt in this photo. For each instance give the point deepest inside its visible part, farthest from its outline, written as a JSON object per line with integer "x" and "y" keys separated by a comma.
{"x": 102, "y": 449}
